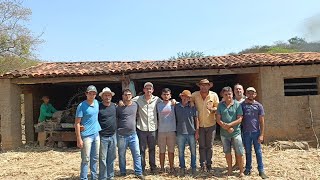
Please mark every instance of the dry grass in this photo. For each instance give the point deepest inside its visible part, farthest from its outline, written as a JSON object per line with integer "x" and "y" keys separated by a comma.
{"x": 47, "y": 163}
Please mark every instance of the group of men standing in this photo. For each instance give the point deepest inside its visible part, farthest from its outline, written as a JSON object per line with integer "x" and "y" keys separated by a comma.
{"x": 144, "y": 121}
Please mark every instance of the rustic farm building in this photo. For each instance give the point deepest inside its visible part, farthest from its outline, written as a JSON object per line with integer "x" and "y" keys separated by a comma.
{"x": 287, "y": 85}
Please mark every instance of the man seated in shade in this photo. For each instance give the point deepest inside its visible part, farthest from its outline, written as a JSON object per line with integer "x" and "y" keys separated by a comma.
{"x": 46, "y": 109}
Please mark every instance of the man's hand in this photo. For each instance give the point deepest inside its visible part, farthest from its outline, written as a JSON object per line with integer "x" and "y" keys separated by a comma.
{"x": 173, "y": 102}
{"x": 260, "y": 139}
{"x": 196, "y": 135}
{"x": 120, "y": 103}
{"x": 191, "y": 104}
{"x": 79, "y": 143}
{"x": 230, "y": 130}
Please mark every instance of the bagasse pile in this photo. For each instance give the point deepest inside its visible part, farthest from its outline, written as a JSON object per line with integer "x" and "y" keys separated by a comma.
{"x": 32, "y": 162}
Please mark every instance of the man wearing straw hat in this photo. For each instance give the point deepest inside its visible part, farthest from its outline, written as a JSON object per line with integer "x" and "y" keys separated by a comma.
{"x": 108, "y": 123}
{"x": 187, "y": 130}
{"x": 206, "y": 102}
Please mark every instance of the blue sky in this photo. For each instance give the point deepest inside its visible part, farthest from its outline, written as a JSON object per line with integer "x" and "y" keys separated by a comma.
{"x": 154, "y": 30}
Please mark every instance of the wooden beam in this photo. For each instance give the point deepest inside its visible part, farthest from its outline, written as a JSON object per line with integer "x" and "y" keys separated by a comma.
{"x": 198, "y": 72}
{"x": 53, "y": 80}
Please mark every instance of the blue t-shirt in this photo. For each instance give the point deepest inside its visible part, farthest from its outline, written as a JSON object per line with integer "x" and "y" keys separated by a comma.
{"x": 89, "y": 117}
{"x": 167, "y": 118}
{"x": 251, "y": 113}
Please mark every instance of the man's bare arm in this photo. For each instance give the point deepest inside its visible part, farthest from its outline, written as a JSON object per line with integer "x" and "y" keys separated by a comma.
{"x": 77, "y": 130}
{"x": 261, "y": 137}
{"x": 236, "y": 122}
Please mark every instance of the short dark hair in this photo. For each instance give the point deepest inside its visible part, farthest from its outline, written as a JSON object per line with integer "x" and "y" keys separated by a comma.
{"x": 238, "y": 84}
{"x": 126, "y": 90}
{"x": 226, "y": 89}
{"x": 45, "y": 96}
{"x": 165, "y": 90}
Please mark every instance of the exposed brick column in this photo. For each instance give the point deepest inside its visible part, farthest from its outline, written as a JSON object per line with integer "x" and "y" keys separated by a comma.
{"x": 10, "y": 111}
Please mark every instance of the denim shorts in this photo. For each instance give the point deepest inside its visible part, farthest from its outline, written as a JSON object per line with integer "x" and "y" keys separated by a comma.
{"x": 236, "y": 142}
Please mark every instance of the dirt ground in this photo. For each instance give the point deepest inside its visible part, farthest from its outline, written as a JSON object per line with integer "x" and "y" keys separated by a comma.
{"x": 31, "y": 162}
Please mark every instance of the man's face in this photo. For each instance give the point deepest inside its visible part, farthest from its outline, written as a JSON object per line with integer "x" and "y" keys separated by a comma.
{"x": 91, "y": 95}
{"x": 166, "y": 96}
{"x": 148, "y": 90}
{"x": 185, "y": 98}
{"x": 127, "y": 96}
{"x": 227, "y": 95}
{"x": 238, "y": 91}
{"x": 204, "y": 88}
{"x": 46, "y": 100}
{"x": 251, "y": 95}
{"x": 106, "y": 97}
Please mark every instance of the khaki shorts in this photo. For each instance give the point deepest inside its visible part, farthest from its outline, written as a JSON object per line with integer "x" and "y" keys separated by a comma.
{"x": 166, "y": 139}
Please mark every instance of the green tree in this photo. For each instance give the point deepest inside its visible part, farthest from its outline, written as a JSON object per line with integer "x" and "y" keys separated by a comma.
{"x": 189, "y": 54}
{"x": 295, "y": 44}
{"x": 15, "y": 38}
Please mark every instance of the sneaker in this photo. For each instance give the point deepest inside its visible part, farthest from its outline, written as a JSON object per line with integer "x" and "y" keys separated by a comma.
{"x": 153, "y": 170}
{"x": 194, "y": 171}
{"x": 172, "y": 171}
{"x": 141, "y": 177}
{"x": 202, "y": 169}
{"x": 209, "y": 168}
{"x": 182, "y": 171}
{"x": 247, "y": 172}
{"x": 263, "y": 175}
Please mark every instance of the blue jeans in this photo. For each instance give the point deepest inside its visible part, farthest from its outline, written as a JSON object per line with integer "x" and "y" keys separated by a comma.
{"x": 90, "y": 153}
{"x": 182, "y": 139}
{"x": 250, "y": 138}
{"x": 107, "y": 157}
{"x": 132, "y": 142}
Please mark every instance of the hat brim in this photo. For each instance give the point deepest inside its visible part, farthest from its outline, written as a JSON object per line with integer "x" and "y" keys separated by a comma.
{"x": 210, "y": 84}
{"x": 184, "y": 95}
{"x": 101, "y": 93}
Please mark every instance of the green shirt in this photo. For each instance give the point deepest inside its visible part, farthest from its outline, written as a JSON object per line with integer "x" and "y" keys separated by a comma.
{"x": 229, "y": 115}
{"x": 46, "y": 111}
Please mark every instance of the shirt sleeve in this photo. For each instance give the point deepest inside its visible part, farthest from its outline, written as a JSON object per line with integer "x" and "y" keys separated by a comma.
{"x": 261, "y": 110}
{"x": 44, "y": 112}
{"x": 219, "y": 109}
{"x": 195, "y": 112}
{"x": 239, "y": 110}
{"x": 216, "y": 100}
{"x": 52, "y": 109}
{"x": 79, "y": 112}
{"x": 135, "y": 99}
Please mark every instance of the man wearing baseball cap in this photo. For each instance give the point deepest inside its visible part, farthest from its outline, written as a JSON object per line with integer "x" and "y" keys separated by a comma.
{"x": 108, "y": 123}
{"x": 147, "y": 124}
{"x": 253, "y": 130}
{"x": 88, "y": 139}
{"x": 206, "y": 102}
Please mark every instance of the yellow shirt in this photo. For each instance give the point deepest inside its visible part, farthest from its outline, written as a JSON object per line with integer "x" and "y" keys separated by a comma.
{"x": 206, "y": 117}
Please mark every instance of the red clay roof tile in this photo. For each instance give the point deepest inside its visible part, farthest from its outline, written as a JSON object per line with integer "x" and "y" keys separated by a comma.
{"x": 55, "y": 69}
